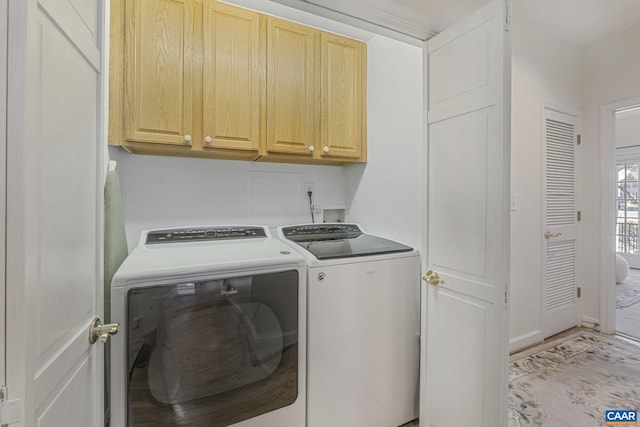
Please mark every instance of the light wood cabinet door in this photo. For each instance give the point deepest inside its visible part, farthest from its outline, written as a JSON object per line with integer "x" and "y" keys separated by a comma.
{"x": 344, "y": 88}
{"x": 292, "y": 88}
{"x": 230, "y": 77}
{"x": 207, "y": 79}
{"x": 159, "y": 71}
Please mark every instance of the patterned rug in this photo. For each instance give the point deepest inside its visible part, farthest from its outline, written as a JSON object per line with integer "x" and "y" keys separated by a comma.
{"x": 573, "y": 382}
{"x": 628, "y": 292}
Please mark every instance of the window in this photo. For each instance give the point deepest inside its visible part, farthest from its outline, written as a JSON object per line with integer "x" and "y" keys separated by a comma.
{"x": 627, "y": 207}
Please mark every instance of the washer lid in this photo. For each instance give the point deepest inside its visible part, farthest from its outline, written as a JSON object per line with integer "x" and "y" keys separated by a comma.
{"x": 331, "y": 241}
{"x": 362, "y": 245}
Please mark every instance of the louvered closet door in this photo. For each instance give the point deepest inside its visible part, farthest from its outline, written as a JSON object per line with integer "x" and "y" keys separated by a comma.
{"x": 560, "y": 302}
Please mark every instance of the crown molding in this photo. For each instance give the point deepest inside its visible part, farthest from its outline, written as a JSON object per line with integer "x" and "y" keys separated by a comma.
{"x": 387, "y": 15}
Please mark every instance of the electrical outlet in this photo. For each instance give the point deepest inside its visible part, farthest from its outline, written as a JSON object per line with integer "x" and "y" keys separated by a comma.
{"x": 309, "y": 186}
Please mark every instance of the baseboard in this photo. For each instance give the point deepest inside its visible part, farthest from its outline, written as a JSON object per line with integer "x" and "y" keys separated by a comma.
{"x": 590, "y": 322}
{"x": 525, "y": 340}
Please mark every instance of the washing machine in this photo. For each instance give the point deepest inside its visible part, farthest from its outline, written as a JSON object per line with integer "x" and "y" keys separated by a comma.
{"x": 363, "y": 326}
{"x": 212, "y": 330}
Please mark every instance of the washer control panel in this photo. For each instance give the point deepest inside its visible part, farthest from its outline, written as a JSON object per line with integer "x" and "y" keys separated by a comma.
{"x": 312, "y": 232}
{"x": 197, "y": 234}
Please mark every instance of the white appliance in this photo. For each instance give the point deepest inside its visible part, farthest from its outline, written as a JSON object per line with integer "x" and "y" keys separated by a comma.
{"x": 363, "y": 326}
{"x": 212, "y": 330}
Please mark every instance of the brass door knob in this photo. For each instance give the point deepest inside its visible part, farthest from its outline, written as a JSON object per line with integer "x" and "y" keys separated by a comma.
{"x": 98, "y": 331}
{"x": 548, "y": 235}
{"x": 433, "y": 278}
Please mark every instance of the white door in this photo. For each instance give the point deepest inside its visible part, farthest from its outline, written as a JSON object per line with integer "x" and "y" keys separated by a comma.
{"x": 54, "y": 211}
{"x": 464, "y": 356}
{"x": 560, "y": 309}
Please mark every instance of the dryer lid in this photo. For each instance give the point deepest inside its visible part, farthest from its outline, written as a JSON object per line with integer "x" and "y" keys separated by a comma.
{"x": 159, "y": 255}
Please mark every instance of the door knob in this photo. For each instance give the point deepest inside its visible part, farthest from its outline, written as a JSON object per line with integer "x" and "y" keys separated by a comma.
{"x": 312, "y": 148}
{"x": 433, "y": 278}
{"x": 548, "y": 234}
{"x": 98, "y": 331}
{"x": 208, "y": 139}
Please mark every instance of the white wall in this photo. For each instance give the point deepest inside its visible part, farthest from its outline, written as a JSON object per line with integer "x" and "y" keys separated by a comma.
{"x": 611, "y": 74}
{"x": 543, "y": 69}
{"x": 386, "y": 195}
{"x": 162, "y": 191}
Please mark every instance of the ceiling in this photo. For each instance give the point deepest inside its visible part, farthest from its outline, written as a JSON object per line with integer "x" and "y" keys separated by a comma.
{"x": 580, "y": 22}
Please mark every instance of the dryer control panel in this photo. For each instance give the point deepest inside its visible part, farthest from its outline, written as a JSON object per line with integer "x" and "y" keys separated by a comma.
{"x": 191, "y": 234}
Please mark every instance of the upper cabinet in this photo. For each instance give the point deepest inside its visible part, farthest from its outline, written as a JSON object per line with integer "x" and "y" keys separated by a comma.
{"x": 207, "y": 79}
{"x": 230, "y": 77}
{"x": 293, "y": 91}
{"x": 159, "y": 71}
{"x": 343, "y": 130}
{"x": 316, "y": 94}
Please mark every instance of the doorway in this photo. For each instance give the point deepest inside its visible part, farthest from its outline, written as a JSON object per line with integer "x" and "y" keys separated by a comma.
{"x": 627, "y": 176}
{"x": 608, "y": 204}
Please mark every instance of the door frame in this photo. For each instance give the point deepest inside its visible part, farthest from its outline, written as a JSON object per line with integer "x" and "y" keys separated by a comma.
{"x": 607, "y": 212}
{"x": 4, "y": 8}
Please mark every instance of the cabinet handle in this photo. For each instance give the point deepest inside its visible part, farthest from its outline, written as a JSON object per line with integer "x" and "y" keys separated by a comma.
{"x": 312, "y": 148}
{"x": 208, "y": 139}
{"x": 325, "y": 149}
{"x": 187, "y": 138}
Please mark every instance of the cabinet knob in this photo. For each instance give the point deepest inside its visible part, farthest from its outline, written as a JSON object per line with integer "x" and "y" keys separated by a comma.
{"x": 325, "y": 149}
{"x": 208, "y": 139}
{"x": 312, "y": 148}
{"x": 187, "y": 138}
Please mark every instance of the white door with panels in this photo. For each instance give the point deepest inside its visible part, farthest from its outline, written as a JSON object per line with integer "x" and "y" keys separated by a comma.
{"x": 560, "y": 218}
{"x": 54, "y": 213}
{"x": 464, "y": 348}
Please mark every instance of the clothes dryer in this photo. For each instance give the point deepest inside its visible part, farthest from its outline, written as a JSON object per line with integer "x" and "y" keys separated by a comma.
{"x": 363, "y": 326}
{"x": 212, "y": 330}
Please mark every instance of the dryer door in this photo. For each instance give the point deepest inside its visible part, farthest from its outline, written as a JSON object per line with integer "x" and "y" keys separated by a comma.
{"x": 212, "y": 352}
